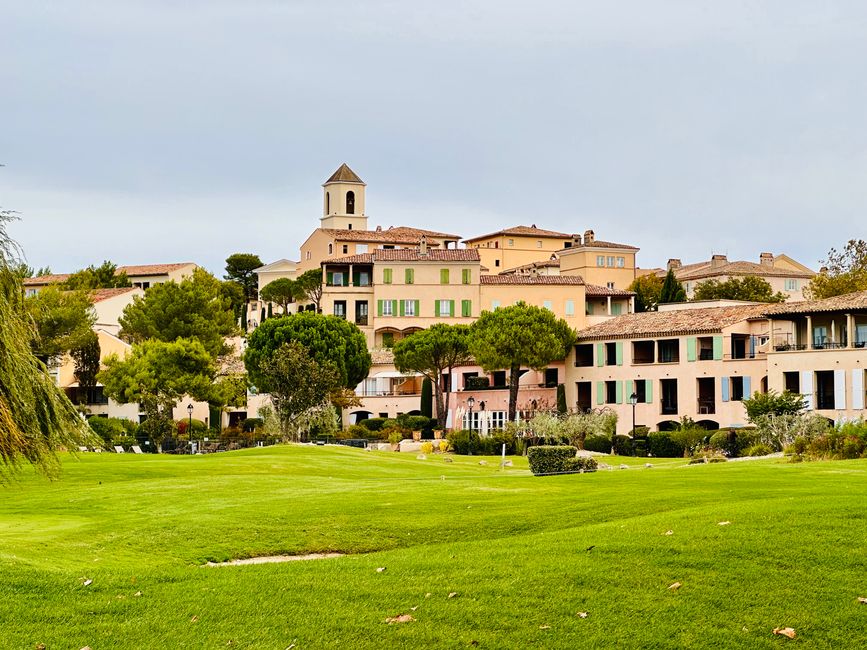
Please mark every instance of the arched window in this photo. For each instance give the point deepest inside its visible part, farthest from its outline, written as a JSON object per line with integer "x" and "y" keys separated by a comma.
{"x": 327, "y": 203}
{"x": 330, "y": 249}
{"x": 350, "y": 203}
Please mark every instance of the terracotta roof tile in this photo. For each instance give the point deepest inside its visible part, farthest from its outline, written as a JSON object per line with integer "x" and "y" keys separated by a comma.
{"x": 596, "y": 243}
{"x": 344, "y": 175}
{"x": 393, "y": 235}
{"x": 595, "y": 290}
{"x": 672, "y": 323}
{"x": 44, "y": 280}
{"x": 703, "y": 270}
{"x": 409, "y": 255}
{"x": 527, "y": 231}
{"x": 152, "y": 269}
{"x": 99, "y": 295}
{"x": 856, "y": 301}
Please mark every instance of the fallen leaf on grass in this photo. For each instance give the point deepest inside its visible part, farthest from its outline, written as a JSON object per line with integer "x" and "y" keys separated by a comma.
{"x": 453, "y": 594}
{"x": 400, "y": 618}
{"x": 544, "y": 627}
{"x": 861, "y": 600}
{"x": 675, "y": 586}
{"x": 668, "y": 532}
{"x": 427, "y": 595}
{"x": 785, "y": 631}
{"x": 413, "y": 608}
{"x": 87, "y": 647}
{"x": 137, "y": 594}
{"x": 40, "y": 646}
{"x": 380, "y": 569}
{"x": 724, "y": 523}
{"x": 88, "y": 582}
{"x": 583, "y": 615}
{"x": 194, "y": 619}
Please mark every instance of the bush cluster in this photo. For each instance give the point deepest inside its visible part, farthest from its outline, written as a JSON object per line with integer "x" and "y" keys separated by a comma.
{"x": 464, "y": 441}
{"x": 114, "y": 431}
{"x": 551, "y": 459}
{"x": 840, "y": 442}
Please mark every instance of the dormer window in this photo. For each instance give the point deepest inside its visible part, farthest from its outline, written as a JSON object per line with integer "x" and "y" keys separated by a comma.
{"x": 350, "y": 202}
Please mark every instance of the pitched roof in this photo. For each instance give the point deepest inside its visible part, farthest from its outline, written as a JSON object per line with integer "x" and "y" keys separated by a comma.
{"x": 597, "y": 243}
{"x": 526, "y": 231}
{"x": 544, "y": 264}
{"x": 855, "y": 301}
{"x": 44, "y": 280}
{"x": 98, "y": 295}
{"x": 702, "y": 270}
{"x": 274, "y": 265}
{"x": 392, "y": 234}
{"x": 574, "y": 280}
{"x": 344, "y": 175}
{"x": 409, "y": 255}
{"x": 595, "y": 291}
{"x": 672, "y": 323}
{"x": 152, "y": 269}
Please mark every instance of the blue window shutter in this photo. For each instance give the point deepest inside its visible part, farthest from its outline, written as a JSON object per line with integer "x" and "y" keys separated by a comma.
{"x": 748, "y": 393}
{"x": 724, "y": 382}
{"x": 600, "y": 354}
{"x": 648, "y": 391}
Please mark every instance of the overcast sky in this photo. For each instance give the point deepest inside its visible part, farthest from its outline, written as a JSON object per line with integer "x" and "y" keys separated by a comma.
{"x": 185, "y": 131}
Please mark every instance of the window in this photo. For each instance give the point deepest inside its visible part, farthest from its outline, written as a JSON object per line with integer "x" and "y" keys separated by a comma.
{"x": 444, "y": 276}
{"x": 31, "y": 292}
{"x": 330, "y": 249}
{"x": 552, "y": 378}
{"x": 361, "y": 248}
{"x": 668, "y": 351}
{"x": 340, "y": 308}
{"x": 495, "y": 305}
{"x": 640, "y": 389}
{"x": 547, "y": 305}
{"x": 308, "y": 255}
{"x": 570, "y": 307}
{"x": 327, "y": 203}
{"x": 386, "y": 307}
{"x": 466, "y": 276}
{"x": 668, "y": 393}
{"x": 736, "y": 385}
{"x": 349, "y": 227}
{"x": 496, "y": 262}
{"x": 538, "y": 243}
{"x": 567, "y": 244}
{"x": 621, "y": 262}
{"x": 498, "y": 378}
{"x": 361, "y": 312}
{"x": 388, "y": 340}
{"x": 584, "y": 355}
{"x": 588, "y": 308}
{"x": 444, "y": 307}
{"x": 337, "y": 279}
{"x": 616, "y": 308}
{"x": 345, "y": 249}
{"x": 611, "y": 392}
{"x": 600, "y": 260}
{"x": 511, "y": 242}
{"x": 362, "y": 279}
{"x": 410, "y": 308}
{"x": 466, "y": 308}
{"x": 610, "y": 260}
{"x": 643, "y": 352}
{"x": 791, "y": 285}
{"x": 386, "y": 276}
{"x": 611, "y": 354}
{"x": 792, "y": 381}
{"x": 610, "y": 285}
{"x": 409, "y": 276}
{"x": 350, "y": 202}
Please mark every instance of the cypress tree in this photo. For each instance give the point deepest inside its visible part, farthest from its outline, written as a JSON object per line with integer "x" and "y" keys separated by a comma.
{"x": 427, "y": 398}
{"x": 672, "y": 290}
{"x": 561, "y": 399}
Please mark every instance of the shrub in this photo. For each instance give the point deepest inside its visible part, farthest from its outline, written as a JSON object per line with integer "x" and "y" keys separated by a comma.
{"x": 444, "y": 446}
{"x": 463, "y": 441}
{"x": 427, "y": 447}
{"x": 475, "y": 383}
{"x": 550, "y": 459}
{"x": 597, "y": 442}
{"x": 107, "y": 428}
{"x": 581, "y": 464}
{"x": 395, "y": 435}
{"x": 758, "y": 450}
{"x": 249, "y": 425}
{"x": 623, "y": 445}
{"x": 662, "y": 445}
{"x": 734, "y": 442}
{"x": 689, "y": 438}
{"x": 373, "y": 424}
{"x": 360, "y": 431}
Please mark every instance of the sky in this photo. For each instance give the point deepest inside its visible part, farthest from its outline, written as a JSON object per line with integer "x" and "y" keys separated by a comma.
{"x": 156, "y": 131}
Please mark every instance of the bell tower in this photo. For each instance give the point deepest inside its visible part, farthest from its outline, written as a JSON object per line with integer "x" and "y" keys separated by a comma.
{"x": 343, "y": 201}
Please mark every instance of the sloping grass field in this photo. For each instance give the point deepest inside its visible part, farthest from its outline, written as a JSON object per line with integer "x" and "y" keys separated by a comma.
{"x": 520, "y": 556}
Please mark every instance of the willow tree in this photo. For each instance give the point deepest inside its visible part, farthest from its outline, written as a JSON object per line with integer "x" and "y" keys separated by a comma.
{"x": 35, "y": 417}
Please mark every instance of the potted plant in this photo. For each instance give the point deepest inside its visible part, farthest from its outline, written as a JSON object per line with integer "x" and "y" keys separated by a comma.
{"x": 394, "y": 437}
{"x": 438, "y": 434}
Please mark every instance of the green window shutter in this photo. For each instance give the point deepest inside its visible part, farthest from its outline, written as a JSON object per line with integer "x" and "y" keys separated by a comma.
{"x": 379, "y": 308}
{"x": 386, "y": 276}
{"x": 600, "y": 392}
{"x": 600, "y": 354}
{"x": 648, "y": 391}
{"x": 717, "y": 348}
{"x": 618, "y": 386}
{"x": 346, "y": 279}
{"x": 619, "y": 351}
{"x": 627, "y": 389}
{"x": 417, "y": 308}
{"x": 466, "y": 308}
{"x": 437, "y": 308}
{"x": 451, "y": 307}
{"x": 466, "y": 276}
{"x": 589, "y": 308}
{"x": 394, "y": 307}
{"x": 409, "y": 276}
{"x": 444, "y": 276}
{"x": 402, "y": 309}
{"x": 690, "y": 348}
{"x": 329, "y": 278}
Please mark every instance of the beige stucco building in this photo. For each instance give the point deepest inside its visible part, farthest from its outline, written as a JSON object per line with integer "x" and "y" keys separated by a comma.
{"x": 141, "y": 276}
{"x": 784, "y": 274}
{"x": 517, "y": 246}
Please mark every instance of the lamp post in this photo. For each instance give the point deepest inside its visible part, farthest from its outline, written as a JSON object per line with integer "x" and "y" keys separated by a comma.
{"x": 190, "y": 425}
{"x": 471, "y": 402}
{"x": 633, "y": 399}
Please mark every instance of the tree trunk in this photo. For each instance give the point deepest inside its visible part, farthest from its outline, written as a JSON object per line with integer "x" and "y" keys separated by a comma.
{"x": 441, "y": 411}
{"x": 514, "y": 376}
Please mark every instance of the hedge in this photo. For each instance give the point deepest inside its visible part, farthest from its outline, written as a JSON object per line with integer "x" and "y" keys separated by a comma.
{"x": 550, "y": 459}
{"x": 662, "y": 445}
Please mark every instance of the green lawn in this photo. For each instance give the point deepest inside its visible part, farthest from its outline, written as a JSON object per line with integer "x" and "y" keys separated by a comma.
{"x": 515, "y": 549}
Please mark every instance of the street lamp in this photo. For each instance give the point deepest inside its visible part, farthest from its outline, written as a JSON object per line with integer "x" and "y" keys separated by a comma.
{"x": 190, "y": 425}
{"x": 633, "y": 399}
{"x": 471, "y": 402}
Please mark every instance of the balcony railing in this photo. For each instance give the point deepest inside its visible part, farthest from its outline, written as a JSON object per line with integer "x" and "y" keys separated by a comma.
{"x": 361, "y": 320}
{"x": 386, "y": 393}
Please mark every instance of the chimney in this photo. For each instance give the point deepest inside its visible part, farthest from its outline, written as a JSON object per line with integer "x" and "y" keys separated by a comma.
{"x": 422, "y": 246}
{"x": 718, "y": 260}
{"x": 673, "y": 264}
{"x": 766, "y": 259}
{"x": 379, "y": 229}
{"x": 576, "y": 240}
{"x": 533, "y": 226}
{"x": 589, "y": 237}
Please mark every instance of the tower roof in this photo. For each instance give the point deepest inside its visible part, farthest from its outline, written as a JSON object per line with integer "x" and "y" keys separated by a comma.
{"x": 344, "y": 175}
